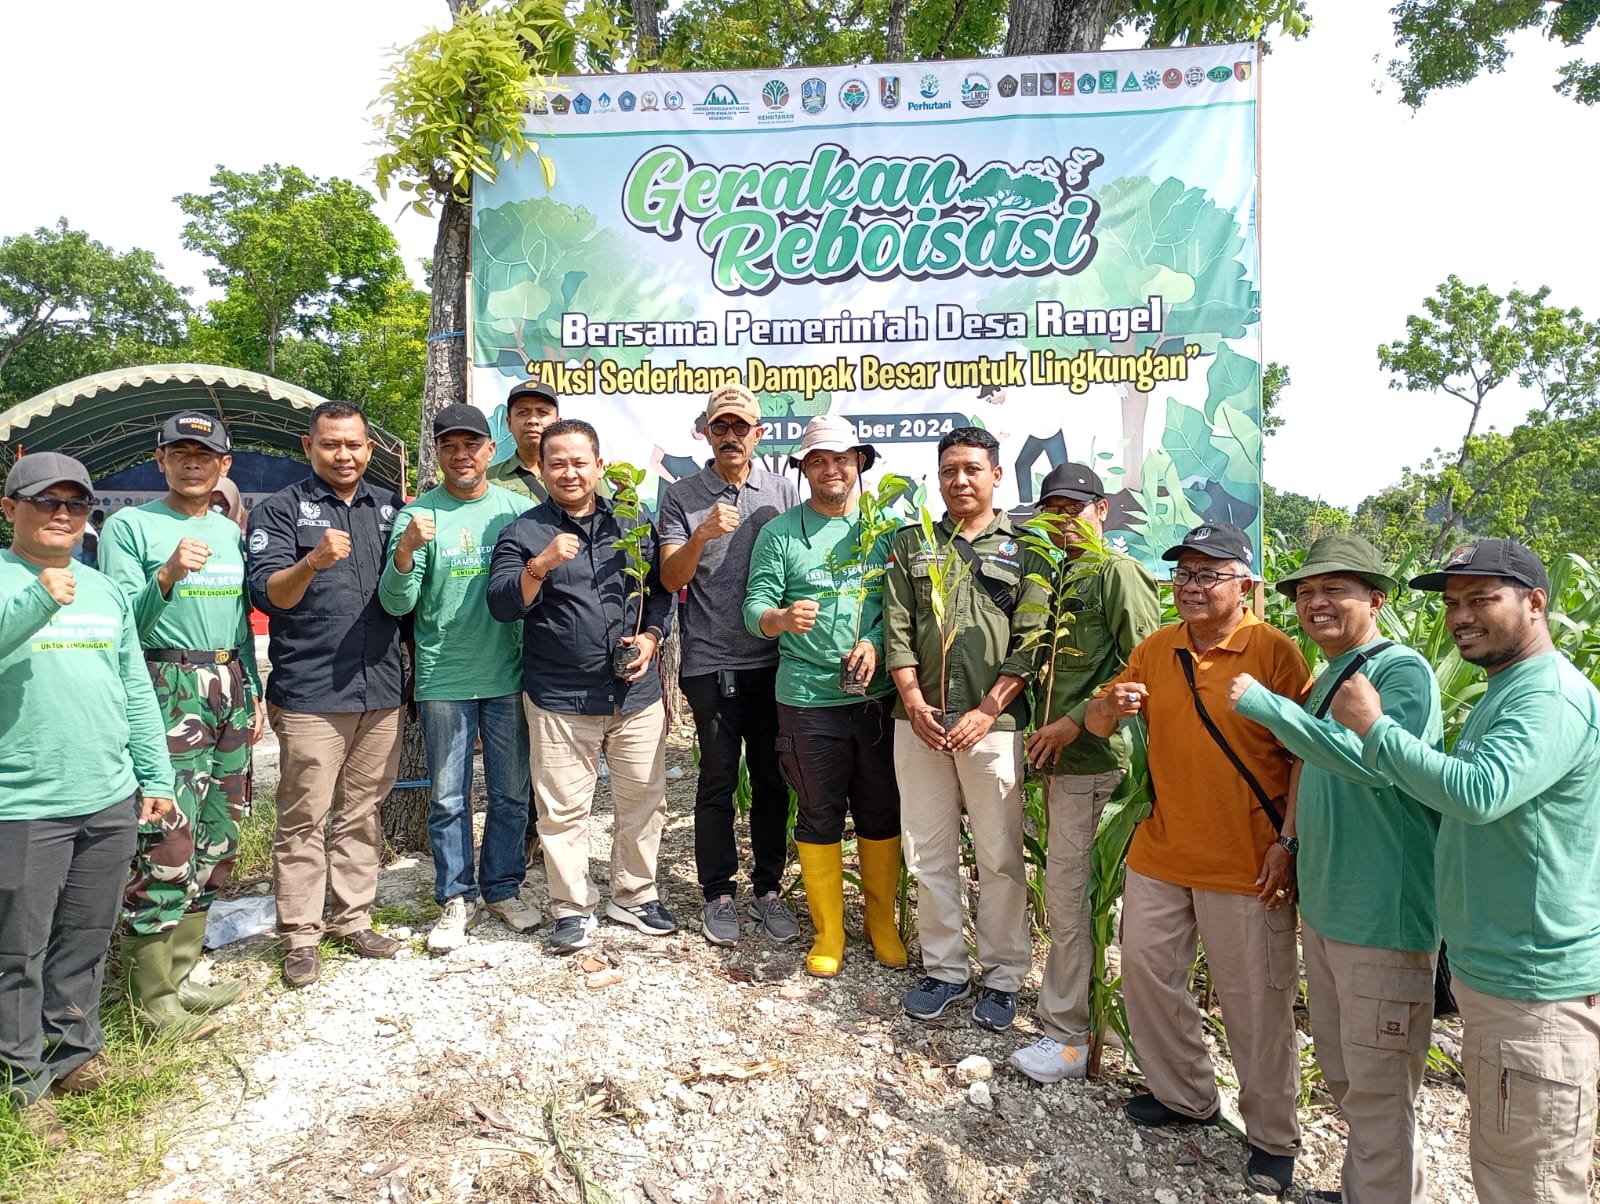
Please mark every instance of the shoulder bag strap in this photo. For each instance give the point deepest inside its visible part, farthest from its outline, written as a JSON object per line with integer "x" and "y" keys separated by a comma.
{"x": 1346, "y": 674}
{"x": 996, "y": 591}
{"x": 1267, "y": 805}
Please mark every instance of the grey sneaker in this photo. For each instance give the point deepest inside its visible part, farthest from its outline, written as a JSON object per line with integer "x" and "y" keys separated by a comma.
{"x": 719, "y": 921}
{"x": 516, "y": 913}
{"x": 651, "y": 918}
{"x": 774, "y": 917}
{"x": 572, "y": 933}
{"x": 929, "y": 998}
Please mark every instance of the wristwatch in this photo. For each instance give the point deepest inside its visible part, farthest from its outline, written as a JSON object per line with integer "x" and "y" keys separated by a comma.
{"x": 1292, "y": 843}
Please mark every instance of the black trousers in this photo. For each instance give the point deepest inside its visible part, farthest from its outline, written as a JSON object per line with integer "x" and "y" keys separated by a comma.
{"x": 841, "y": 759}
{"x": 61, "y": 886}
{"x": 749, "y": 719}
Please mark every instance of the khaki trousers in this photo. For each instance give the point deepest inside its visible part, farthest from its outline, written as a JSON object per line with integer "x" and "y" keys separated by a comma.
{"x": 1074, "y": 803}
{"x": 346, "y": 764}
{"x": 934, "y": 786}
{"x": 1372, "y": 1019}
{"x": 1251, "y": 955}
{"x": 565, "y": 752}
{"x": 1530, "y": 1067}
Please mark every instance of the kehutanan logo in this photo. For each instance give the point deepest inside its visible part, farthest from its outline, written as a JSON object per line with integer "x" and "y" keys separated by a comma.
{"x": 835, "y": 217}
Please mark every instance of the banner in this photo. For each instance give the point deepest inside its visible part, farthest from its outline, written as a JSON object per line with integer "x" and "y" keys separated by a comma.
{"x": 1061, "y": 250}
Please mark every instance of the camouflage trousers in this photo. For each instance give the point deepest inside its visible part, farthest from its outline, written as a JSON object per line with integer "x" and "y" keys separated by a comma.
{"x": 183, "y": 859}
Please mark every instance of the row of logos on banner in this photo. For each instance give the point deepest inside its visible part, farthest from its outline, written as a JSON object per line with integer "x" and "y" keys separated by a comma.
{"x": 721, "y": 102}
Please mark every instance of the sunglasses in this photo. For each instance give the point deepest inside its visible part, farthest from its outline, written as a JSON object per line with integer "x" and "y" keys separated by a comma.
{"x": 47, "y": 505}
{"x": 720, "y": 428}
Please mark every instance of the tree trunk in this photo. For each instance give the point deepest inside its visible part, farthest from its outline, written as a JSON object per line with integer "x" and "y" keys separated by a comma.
{"x": 647, "y": 34}
{"x": 1057, "y": 26}
{"x": 894, "y": 34}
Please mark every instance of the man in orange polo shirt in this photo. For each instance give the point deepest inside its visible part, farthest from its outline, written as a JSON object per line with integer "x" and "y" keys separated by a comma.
{"x": 1215, "y": 858}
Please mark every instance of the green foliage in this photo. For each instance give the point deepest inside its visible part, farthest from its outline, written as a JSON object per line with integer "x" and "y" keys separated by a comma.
{"x": 1468, "y": 342}
{"x": 877, "y": 522}
{"x": 1274, "y": 383}
{"x": 290, "y": 253}
{"x": 625, "y": 480}
{"x": 1196, "y": 22}
{"x": 1448, "y": 43}
{"x": 535, "y": 259}
{"x": 947, "y": 568}
{"x": 71, "y": 306}
{"x": 456, "y": 99}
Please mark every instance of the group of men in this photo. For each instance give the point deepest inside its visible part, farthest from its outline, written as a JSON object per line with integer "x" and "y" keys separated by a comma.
{"x": 882, "y": 676}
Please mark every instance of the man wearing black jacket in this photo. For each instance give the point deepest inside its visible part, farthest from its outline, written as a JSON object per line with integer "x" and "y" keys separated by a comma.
{"x": 556, "y": 571}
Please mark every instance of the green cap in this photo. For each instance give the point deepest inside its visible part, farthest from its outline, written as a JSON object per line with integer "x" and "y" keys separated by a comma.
{"x": 1340, "y": 554}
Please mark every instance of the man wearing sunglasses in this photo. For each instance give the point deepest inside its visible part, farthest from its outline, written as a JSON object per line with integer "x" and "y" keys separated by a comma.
{"x": 81, "y": 740}
{"x": 1210, "y": 861}
{"x": 709, "y": 524}
{"x": 183, "y": 566}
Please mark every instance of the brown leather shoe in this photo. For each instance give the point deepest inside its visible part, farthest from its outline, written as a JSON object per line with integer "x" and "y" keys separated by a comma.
{"x": 367, "y": 943}
{"x": 41, "y": 1120}
{"x": 91, "y": 1076}
{"x": 302, "y": 966}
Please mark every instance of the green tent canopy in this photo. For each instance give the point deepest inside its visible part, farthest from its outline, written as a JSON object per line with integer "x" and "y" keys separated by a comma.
{"x": 109, "y": 420}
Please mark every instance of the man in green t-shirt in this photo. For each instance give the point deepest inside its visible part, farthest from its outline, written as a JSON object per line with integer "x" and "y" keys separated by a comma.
{"x": 80, "y": 738}
{"x": 468, "y": 678}
{"x": 1115, "y": 606}
{"x": 813, "y": 590}
{"x": 1364, "y": 860}
{"x": 1517, "y": 871}
{"x": 182, "y": 565}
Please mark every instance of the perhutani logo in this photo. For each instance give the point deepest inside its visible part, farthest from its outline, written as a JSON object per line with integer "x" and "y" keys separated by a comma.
{"x": 834, "y": 217}
{"x": 927, "y": 88}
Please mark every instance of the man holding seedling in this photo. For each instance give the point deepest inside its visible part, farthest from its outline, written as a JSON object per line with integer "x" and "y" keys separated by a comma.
{"x": 1517, "y": 871}
{"x": 589, "y": 637}
{"x": 813, "y": 589}
{"x": 960, "y": 624}
{"x": 1365, "y": 870}
{"x": 81, "y": 737}
{"x": 709, "y": 523}
{"x": 468, "y": 679}
{"x": 183, "y": 566}
{"x": 1114, "y": 607}
{"x": 1214, "y": 859}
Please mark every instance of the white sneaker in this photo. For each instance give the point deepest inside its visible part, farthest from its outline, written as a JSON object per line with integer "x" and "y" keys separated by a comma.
{"x": 1049, "y": 1061}
{"x": 450, "y": 929}
{"x": 516, "y": 913}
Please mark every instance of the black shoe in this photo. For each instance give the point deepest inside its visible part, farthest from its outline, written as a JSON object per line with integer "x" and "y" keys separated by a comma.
{"x": 1322, "y": 1196}
{"x": 650, "y": 918}
{"x": 571, "y": 933}
{"x": 995, "y": 1010}
{"x": 1270, "y": 1174}
{"x": 1147, "y": 1110}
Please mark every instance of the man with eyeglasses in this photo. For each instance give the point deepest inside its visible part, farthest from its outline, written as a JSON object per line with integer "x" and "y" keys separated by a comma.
{"x": 183, "y": 565}
{"x": 1210, "y": 861}
{"x": 81, "y": 738}
{"x": 708, "y": 524}
{"x": 1115, "y": 606}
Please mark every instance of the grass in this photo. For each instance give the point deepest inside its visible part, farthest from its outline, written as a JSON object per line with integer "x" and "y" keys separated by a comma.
{"x": 255, "y": 839}
{"x": 112, "y": 1141}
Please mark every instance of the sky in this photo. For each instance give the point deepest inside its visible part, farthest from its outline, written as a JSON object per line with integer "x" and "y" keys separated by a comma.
{"x": 1365, "y": 206}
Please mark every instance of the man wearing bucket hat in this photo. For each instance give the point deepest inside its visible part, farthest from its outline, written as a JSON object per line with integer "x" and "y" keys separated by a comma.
{"x": 1517, "y": 870}
{"x": 958, "y": 728}
{"x": 709, "y": 523}
{"x": 1210, "y": 860}
{"x": 1370, "y": 931}
{"x": 183, "y": 565}
{"x": 80, "y": 738}
{"x": 1116, "y": 608}
{"x": 834, "y": 746}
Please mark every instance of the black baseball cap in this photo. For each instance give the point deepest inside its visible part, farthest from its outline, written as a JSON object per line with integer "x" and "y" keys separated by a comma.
{"x": 1488, "y": 558}
{"x": 1076, "y": 481}
{"x": 1220, "y": 541}
{"x": 192, "y": 426}
{"x": 532, "y": 388}
{"x": 460, "y": 418}
{"x": 32, "y": 474}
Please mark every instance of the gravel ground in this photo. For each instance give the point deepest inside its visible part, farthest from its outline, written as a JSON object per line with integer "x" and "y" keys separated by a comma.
{"x": 663, "y": 1069}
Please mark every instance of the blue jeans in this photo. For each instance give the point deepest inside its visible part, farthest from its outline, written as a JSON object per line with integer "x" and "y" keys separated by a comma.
{"x": 449, "y": 729}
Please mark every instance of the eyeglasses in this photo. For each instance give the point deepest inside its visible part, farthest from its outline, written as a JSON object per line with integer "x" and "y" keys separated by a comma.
{"x": 47, "y": 505}
{"x": 1065, "y": 507}
{"x": 1205, "y": 578}
{"x": 721, "y": 427}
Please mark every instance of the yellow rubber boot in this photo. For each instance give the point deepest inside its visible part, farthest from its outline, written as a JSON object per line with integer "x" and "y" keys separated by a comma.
{"x": 880, "y": 887}
{"x": 822, "y": 870}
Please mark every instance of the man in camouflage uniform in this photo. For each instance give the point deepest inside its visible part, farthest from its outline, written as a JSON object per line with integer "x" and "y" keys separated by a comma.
{"x": 183, "y": 566}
